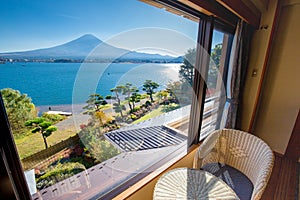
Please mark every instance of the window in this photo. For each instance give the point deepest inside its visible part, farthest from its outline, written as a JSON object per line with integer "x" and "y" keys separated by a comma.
{"x": 136, "y": 99}
{"x": 216, "y": 82}
{"x": 210, "y": 79}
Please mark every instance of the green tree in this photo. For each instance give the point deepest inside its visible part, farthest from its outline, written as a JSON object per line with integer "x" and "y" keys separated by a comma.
{"x": 94, "y": 104}
{"x": 180, "y": 92}
{"x": 127, "y": 90}
{"x": 149, "y": 86}
{"x": 93, "y": 108}
{"x": 53, "y": 118}
{"x": 135, "y": 98}
{"x": 186, "y": 71}
{"x": 163, "y": 94}
{"x": 103, "y": 150}
{"x": 45, "y": 128}
{"x": 100, "y": 148}
{"x": 132, "y": 96}
{"x": 108, "y": 97}
{"x": 214, "y": 66}
{"x": 216, "y": 54}
{"x": 118, "y": 107}
{"x": 19, "y": 109}
{"x": 173, "y": 88}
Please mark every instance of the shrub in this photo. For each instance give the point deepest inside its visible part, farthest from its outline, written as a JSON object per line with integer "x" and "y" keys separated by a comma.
{"x": 102, "y": 150}
{"x": 135, "y": 109}
{"x": 148, "y": 104}
{"x": 53, "y": 118}
{"x": 170, "y": 107}
{"x": 133, "y": 116}
{"x": 58, "y": 173}
{"x": 94, "y": 141}
{"x": 87, "y": 161}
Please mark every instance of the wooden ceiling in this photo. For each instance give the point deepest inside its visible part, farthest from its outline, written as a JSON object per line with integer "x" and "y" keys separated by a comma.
{"x": 248, "y": 10}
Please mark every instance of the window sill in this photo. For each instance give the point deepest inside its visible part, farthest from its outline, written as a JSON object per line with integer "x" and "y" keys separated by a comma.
{"x": 144, "y": 187}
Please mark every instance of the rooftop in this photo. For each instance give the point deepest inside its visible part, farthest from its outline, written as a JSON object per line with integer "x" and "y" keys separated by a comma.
{"x": 145, "y": 138}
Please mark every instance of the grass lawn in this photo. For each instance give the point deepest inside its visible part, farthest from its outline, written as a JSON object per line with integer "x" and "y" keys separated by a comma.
{"x": 33, "y": 142}
{"x": 151, "y": 114}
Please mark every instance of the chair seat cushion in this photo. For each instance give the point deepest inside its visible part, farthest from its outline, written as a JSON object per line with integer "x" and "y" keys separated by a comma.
{"x": 239, "y": 182}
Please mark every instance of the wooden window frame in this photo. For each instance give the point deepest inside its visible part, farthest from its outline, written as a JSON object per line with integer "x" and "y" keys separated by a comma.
{"x": 10, "y": 159}
{"x": 201, "y": 71}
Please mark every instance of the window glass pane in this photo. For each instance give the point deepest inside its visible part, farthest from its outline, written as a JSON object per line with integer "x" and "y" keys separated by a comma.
{"x": 102, "y": 98}
{"x": 215, "y": 83}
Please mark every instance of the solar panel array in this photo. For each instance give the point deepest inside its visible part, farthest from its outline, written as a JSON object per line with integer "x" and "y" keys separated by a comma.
{"x": 145, "y": 138}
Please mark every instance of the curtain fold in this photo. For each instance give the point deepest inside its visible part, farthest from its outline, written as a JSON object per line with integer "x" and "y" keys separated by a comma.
{"x": 236, "y": 74}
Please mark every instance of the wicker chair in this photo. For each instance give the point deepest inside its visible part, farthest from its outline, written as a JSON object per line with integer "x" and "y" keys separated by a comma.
{"x": 239, "y": 150}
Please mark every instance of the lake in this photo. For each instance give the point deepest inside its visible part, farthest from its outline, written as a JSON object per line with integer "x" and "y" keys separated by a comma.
{"x": 72, "y": 83}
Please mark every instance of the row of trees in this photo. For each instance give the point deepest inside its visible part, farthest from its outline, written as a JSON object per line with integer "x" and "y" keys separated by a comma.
{"x": 128, "y": 92}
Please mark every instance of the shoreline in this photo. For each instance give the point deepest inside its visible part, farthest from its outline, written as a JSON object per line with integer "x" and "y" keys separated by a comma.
{"x": 73, "y": 108}
{"x": 71, "y": 123}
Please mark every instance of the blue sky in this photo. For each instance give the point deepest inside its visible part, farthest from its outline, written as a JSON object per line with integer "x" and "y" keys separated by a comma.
{"x": 33, "y": 24}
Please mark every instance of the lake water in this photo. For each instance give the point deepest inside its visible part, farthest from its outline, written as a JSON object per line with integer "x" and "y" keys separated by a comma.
{"x": 72, "y": 83}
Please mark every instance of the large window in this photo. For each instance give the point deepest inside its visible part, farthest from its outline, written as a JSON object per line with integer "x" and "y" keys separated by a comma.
{"x": 216, "y": 82}
{"x": 90, "y": 117}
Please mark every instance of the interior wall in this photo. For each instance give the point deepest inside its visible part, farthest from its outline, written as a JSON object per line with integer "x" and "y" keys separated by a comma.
{"x": 280, "y": 100}
{"x": 258, "y": 53}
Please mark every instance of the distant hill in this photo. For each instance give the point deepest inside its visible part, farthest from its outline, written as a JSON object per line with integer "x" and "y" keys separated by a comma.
{"x": 81, "y": 47}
